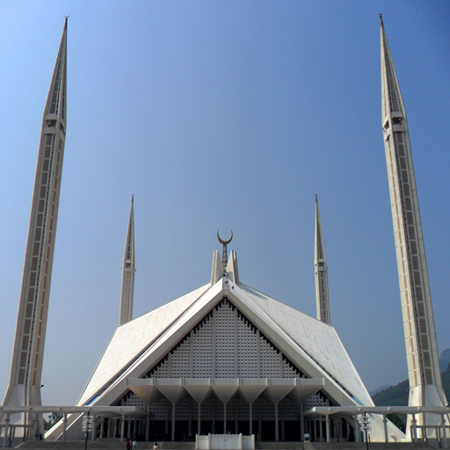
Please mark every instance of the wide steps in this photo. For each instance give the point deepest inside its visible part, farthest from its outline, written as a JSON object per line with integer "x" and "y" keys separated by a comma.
{"x": 114, "y": 444}
{"x": 102, "y": 444}
{"x": 372, "y": 446}
{"x": 342, "y": 446}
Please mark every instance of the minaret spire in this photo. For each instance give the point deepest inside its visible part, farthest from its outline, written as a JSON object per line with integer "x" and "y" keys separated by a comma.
{"x": 321, "y": 272}
{"x": 128, "y": 271}
{"x": 24, "y": 387}
{"x": 421, "y": 347}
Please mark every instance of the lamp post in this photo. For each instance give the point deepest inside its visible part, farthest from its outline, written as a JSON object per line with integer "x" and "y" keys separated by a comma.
{"x": 87, "y": 426}
{"x": 364, "y": 423}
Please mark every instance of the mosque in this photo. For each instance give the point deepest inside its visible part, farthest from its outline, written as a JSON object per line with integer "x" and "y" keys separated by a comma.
{"x": 226, "y": 358}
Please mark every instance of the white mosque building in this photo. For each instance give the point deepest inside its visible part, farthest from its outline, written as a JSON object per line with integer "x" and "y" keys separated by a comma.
{"x": 225, "y": 358}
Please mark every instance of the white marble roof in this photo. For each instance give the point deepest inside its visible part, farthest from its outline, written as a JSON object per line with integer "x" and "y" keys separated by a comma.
{"x": 133, "y": 342}
{"x": 130, "y": 339}
{"x": 319, "y": 340}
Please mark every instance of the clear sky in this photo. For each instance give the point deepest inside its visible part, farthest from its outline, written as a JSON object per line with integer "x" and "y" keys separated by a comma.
{"x": 222, "y": 114}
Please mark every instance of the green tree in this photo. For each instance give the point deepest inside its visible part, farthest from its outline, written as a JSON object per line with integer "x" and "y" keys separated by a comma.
{"x": 53, "y": 418}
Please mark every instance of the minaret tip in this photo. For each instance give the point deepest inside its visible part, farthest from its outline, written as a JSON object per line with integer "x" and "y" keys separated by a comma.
{"x": 381, "y": 18}
{"x": 65, "y": 22}
{"x": 128, "y": 270}
{"x": 320, "y": 273}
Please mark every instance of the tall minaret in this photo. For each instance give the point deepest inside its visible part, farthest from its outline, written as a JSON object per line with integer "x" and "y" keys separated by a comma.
{"x": 321, "y": 272}
{"x": 128, "y": 270}
{"x": 421, "y": 347}
{"x": 26, "y": 368}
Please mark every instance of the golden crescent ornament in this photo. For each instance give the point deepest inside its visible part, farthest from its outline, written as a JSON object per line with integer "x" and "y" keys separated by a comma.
{"x": 222, "y": 241}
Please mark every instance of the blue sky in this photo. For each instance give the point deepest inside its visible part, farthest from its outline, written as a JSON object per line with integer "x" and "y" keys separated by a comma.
{"x": 222, "y": 115}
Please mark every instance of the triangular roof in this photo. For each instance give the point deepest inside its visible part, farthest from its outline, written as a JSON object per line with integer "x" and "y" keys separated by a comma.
{"x": 312, "y": 345}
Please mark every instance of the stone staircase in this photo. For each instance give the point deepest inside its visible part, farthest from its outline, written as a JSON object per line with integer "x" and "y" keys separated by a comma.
{"x": 372, "y": 446}
{"x": 342, "y": 446}
{"x": 114, "y": 444}
{"x": 102, "y": 444}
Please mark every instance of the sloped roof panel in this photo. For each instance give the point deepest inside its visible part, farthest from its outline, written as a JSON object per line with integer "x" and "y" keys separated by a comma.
{"x": 130, "y": 339}
{"x": 316, "y": 338}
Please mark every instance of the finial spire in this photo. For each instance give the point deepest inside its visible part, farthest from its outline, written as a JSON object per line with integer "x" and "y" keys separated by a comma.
{"x": 26, "y": 369}
{"x": 321, "y": 272}
{"x": 224, "y": 249}
{"x": 128, "y": 272}
{"x": 425, "y": 382}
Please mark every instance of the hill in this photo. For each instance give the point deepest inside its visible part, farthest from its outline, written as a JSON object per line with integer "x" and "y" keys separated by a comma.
{"x": 446, "y": 381}
{"x": 381, "y": 388}
{"x": 398, "y": 395}
{"x": 444, "y": 359}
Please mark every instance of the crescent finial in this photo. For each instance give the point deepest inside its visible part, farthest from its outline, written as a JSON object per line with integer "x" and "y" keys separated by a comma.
{"x": 222, "y": 241}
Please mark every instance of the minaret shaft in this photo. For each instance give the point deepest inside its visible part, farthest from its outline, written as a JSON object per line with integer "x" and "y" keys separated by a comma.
{"x": 26, "y": 368}
{"x": 321, "y": 273}
{"x": 420, "y": 335}
{"x": 128, "y": 272}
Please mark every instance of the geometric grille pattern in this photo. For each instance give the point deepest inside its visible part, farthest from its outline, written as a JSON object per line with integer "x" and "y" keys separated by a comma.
{"x": 225, "y": 344}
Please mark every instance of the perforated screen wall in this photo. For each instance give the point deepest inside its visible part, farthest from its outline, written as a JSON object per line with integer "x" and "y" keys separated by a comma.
{"x": 225, "y": 344}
